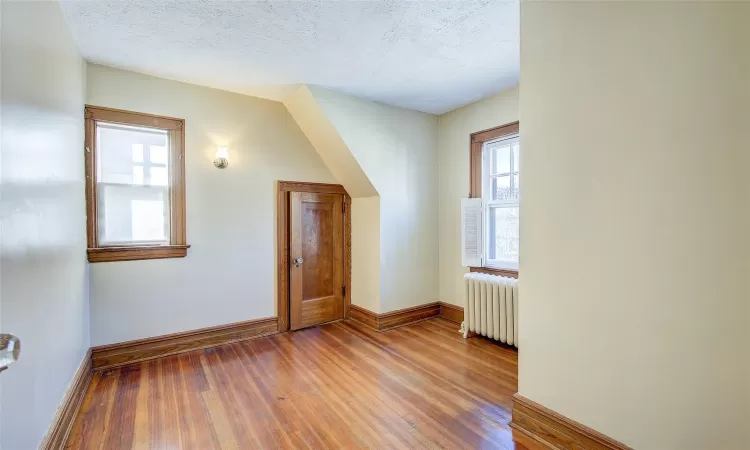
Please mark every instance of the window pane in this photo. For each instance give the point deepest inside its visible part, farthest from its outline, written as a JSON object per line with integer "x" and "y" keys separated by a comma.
{"x": 158, "y": 154}
{"x": 132, "y": 185}
{"x": 137, "y": 152}
{"x": 501, "y": 159}
{"x": 147, "y": 223}
{"x": 129, "y": 214}
{"x": 501, "y": 187}
{"x": 503, "y": 234}
{"x": 516, "y": 194}
{"x": 138, "y": 175}
{"x": 120, "y": 148}
{"x": 516, "y": 148}
{"x": 159, "y": 176}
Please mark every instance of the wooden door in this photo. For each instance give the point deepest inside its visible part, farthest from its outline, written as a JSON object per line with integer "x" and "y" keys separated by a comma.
{"x": 316, "y": 259}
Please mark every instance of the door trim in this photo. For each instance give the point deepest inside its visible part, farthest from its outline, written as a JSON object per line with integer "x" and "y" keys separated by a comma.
{"x": 282, "y": 243}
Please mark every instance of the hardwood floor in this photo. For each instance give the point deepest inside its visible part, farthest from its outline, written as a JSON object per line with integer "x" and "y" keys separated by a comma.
{"x": 340, "y": 385}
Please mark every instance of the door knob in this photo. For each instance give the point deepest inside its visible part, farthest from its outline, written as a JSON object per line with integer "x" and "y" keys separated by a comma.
{"x": 10, "y": 348}
{"x": 297, "y": 262}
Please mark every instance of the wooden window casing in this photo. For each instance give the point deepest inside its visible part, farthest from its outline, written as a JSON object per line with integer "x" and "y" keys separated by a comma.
{"x": 177, "y": 247}
{"x": 476, "y": 144}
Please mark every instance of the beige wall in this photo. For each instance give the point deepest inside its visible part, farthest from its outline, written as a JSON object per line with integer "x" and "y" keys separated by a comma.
{"x": 229, "y": 273}
{"x": 44, "y": 286}
{"x": 454, "y": 129}
{"x": 366, "y": 253}
{"x": 396, "y": 149}
{"x": 634, "y": 231}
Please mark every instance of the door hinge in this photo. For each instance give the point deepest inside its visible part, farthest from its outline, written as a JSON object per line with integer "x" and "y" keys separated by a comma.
{"x": 343, "y": 291}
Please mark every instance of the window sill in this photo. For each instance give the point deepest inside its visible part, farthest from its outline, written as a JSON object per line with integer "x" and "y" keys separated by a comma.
{"x": 500, "y": 272}
{"x": 111, "y": 254}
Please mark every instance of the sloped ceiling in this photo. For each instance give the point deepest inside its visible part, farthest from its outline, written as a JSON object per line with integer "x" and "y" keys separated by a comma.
{"x": 316, "y": 125}
{"x": 432, "y": 56}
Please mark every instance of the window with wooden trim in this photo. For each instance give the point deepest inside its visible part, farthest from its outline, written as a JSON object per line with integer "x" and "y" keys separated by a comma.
{"x": 135, "y": 185}
{"x": 490, "y": 217}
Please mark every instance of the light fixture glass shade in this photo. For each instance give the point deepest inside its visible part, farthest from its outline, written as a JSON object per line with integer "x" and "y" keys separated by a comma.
{"x": 222, "y": 157}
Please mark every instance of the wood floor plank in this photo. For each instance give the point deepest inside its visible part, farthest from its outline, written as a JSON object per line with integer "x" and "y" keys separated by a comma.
{"x": 336, "y": 386}
{"x": 418, "y": 386}
{"x": 141, "y": 426}
{"x": 338, "y": 391}
{"x": 94, "y": 416}
{"x": 168, "y": 413}
{"x": 246, "y": 425}
{"x": 373, "y": 377}
{"x": 222, "y": 427}
{"x": 267, "y": 389}
{"x": 122, "y": 417}
{"x": 333, "y": 426}
{"x": 89, "y": 418}
{"x": 194, "y": 422}
{"x": 389, "y": 424}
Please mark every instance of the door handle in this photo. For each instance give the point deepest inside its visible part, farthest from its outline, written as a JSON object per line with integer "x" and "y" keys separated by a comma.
{"x": 298, "y": 261}
{"x": 10, "y": 348}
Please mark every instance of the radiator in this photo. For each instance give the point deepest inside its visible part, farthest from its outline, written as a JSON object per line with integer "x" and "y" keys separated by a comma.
{"x": 491, "y": 307}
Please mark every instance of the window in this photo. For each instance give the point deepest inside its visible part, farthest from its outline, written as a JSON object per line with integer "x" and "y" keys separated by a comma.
{"x": 490, "y": 218}
{"x": 500, "y": 185}
{"x": 135, "y": 186}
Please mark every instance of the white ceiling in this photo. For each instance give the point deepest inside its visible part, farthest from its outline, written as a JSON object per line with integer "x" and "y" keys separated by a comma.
{"x": 432, "y": 56}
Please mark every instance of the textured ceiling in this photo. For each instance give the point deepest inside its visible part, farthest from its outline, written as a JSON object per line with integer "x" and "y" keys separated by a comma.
{"x": 428, "y": 55}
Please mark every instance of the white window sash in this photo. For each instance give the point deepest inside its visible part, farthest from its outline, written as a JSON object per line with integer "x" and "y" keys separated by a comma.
{"x": 102, "y": 208}
{"x": 489, "y": 203}
{"x": 488, "y": 240}
{"x": 147, "y": 164}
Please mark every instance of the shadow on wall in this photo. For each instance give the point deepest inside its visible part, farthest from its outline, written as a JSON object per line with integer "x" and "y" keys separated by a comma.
{"x": 43, "y": 300}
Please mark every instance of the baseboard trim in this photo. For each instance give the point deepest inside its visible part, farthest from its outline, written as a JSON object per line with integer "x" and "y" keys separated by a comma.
{"x": 451, "y": 312}
{"x": 406, "y": 316}
{"x": 125, "y": 353}
{"x": 66, "y": 414}
{"x": 401, "y": 317}
{"x": 364, "y": 316}
{"x": 393, "y": 319}
{"x": 557, "y": 431}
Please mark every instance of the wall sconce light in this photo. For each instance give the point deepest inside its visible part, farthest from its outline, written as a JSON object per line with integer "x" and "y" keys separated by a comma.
{"x": 222, "y": 157}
